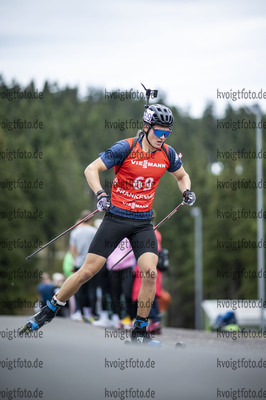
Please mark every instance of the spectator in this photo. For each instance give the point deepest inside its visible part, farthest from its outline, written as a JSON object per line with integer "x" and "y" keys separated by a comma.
{"x": 68, "y": 264}
{"x": 80, "y": 240}
{"x": 121, "y": 282}
{"x": 68, "y": 269}
{"x": 103, "y": 282}
{"x": 46, "y": 289}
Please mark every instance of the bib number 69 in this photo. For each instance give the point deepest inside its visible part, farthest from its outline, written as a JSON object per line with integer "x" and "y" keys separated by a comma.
{"x": 141, "y": 183}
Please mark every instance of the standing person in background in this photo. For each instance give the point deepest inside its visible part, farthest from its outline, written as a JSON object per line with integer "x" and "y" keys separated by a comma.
{"x": 80, "y": 240}
{"x": 68, "y": 269}
{"x": 121, "y": 282}
{"x": 103, "y": 283}
{"x": 68, "y": 264}
{"x": 46, "y": 289}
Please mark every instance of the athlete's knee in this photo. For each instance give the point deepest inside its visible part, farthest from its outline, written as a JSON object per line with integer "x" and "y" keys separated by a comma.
{"x": 149, "y": 277}
{"x": 87, "y": 271}
{"x": 91, "y": 266}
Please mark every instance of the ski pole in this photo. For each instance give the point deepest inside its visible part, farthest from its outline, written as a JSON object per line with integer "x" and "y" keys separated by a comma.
{"x": 157, "y": 226}
{"x": 68, "y": 230}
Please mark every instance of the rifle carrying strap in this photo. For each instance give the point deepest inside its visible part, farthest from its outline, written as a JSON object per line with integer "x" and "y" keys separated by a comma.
{"x": 132, "y": 147}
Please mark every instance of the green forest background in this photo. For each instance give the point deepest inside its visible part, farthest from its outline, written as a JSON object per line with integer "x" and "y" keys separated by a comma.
{"x": 74, "y": 133}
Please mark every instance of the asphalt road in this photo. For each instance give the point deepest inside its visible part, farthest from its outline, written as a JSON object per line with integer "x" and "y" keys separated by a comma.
{"x": 76, "y": 361}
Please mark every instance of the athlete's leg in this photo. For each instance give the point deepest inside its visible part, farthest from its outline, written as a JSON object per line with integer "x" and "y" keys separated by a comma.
{"x": 106, "y": 239}
{"x": 145, "y": 247}
{"x": 144, "y": 244}
{"x": 91, "y": 266}
{"x": 101, "y": 247}
{"x": 147, "y": 263}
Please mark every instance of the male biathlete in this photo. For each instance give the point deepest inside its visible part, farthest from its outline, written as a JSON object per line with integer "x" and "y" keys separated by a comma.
{"x": 138, "y": 165}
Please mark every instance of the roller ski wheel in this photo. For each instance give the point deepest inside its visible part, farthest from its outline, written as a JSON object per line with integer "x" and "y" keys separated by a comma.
{"x": 180, "y": 345}
{"x": 142, "y": 339}
{"x": 151, "y": 343}
{"x": 26, "y": 328}
{"x": 156, "y": 343}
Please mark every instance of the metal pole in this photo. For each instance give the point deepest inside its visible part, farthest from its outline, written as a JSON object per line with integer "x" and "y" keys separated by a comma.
{"x": 61, "y": 234}
{"x": 196, "y": 213}
{"x": 260, "y": 222}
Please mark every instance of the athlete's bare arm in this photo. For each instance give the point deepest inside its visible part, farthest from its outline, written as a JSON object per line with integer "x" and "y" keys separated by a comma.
{"x": 182, "y": 178}
{"x": 92, "y": 174}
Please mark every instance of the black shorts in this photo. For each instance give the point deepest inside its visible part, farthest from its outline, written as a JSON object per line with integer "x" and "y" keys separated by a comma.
{"x": 114, "y": 229}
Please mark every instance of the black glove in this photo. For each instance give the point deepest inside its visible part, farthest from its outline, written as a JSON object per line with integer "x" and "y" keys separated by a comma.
{"x": 189, "y": 197}
{"x": 103, "y": 202}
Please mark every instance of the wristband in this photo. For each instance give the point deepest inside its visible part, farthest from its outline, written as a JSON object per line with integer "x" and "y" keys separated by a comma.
{"x": 100, "y": 192}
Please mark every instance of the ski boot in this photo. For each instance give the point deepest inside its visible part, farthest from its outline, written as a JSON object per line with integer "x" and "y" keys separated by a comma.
{"x": 45, "y": 315}
{"x": 139, "y": 334}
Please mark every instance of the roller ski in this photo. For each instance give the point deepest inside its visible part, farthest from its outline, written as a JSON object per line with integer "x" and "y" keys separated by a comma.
{"x": 139, "y": 335}
{"x": 43, "y": 317}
